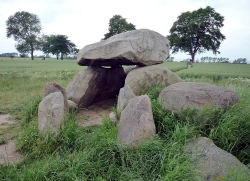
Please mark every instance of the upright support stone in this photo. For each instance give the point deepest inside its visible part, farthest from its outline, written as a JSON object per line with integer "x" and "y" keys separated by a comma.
{"x": 51, "y": 113}
{"x": 85, "y": 86}
{"x": 124, "y": 97}
{"x": 136, "y": 123}
{"x": 95, "y": 84}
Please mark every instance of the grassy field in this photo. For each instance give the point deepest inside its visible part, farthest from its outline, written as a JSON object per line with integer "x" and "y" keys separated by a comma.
{"x": 21, "y": 80}
{"x": 216, "y": 70}
{"x": 93, "y": 153}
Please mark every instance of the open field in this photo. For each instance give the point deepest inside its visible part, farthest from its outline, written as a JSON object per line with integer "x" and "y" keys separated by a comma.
{"x": 29, "y": 66}
{"x": 21, "y": 80}
{"x": 93, "y": 153}
{"x": 225, "y": 70}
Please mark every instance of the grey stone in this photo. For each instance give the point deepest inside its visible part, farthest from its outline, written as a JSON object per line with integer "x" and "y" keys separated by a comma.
{"x": 72, "y": 106}
{"x": 124, "y": 97}
{"x": 52, "y": 87}
{"x": 194, "y": 95}
{"x": 129, "y": 68}
{"x": 136, "y": 122}
{"x": 95, "y": 84}
{"x": 136, "y": 47}
{"x": 214, "y": 163}
{"x": 148, "y": 77}
{"x": 84, "y": 87}
{"x": 113, "y": 118}
{"x": 51, "y": 113}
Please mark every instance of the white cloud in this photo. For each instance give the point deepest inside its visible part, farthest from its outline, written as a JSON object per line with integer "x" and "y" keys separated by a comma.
{"x": 85, "y": 21}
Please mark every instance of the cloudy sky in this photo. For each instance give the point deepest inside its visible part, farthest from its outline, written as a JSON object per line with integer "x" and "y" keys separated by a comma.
{"x": 86, "y": 21}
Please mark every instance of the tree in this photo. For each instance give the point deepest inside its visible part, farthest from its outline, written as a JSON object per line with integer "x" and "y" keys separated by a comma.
{"x": 25, "y": 28}
{"x": 170, "y": 59}
{"x": 117, "y": 25}
{"x": 197, "y": 32}
{"x": 240, "y": 60}
{"x": 58, "y": 45}
{"x": 22, "y": 55}
{"x": 74, "y": 52}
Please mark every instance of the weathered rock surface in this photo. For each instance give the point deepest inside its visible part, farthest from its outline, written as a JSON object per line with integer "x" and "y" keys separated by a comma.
{"x": 8, "y": 153}
{"x": 85, "y": 85}
{"x": 113, "y": 118}
{"x": 193, "y": 95}
{"x": 95, "y": 84}
{"x": 52, "y": 87}
{"x": 215, "y": 163}
{"x": 136, "y": 122}
{"x": 137, "y": 47}
{"x": 124, "y": 97}
{"x": 72, "y": 106}
{"x": 129, "y": 68}
{"x": 148, "y": 77}
{"x": 51, "y": 113}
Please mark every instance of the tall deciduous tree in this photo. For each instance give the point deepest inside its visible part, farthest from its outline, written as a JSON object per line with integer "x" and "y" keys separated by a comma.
{"x": 58, "y": 45}
{"x": 117, "y": 25}
{"x": 197, "y": 32}
{"x": 25, "y": 28}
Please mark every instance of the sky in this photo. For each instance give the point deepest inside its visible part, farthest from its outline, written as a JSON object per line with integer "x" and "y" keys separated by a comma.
{"x": 86, "y": 21}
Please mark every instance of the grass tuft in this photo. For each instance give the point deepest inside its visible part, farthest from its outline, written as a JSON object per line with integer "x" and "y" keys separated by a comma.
{"x": 31, "y": 110}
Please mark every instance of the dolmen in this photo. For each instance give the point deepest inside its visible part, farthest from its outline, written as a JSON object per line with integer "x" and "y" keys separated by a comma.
{"x": 124, "y": 66}
{"x": 141, "y": 52}
{"x": 143, "y": 49}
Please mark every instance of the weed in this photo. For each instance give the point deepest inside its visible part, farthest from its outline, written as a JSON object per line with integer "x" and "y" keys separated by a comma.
{"x": 32, "y": 109}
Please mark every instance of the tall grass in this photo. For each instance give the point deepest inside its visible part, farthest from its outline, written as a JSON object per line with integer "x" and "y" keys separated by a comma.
{"x": 230, "y": 130}
{"x": 93, "y": 153}
{"x": 233, "y": 132}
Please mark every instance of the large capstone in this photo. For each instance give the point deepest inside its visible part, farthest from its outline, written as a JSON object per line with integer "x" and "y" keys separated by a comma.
{"x": 137, "y": 47}
{"x": 125, "y": 95}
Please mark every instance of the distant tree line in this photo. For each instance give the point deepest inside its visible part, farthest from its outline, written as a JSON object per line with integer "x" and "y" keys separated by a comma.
{"x": 240, "y": 60}
{"x": 26, "y": 28}
{"x": 170, "y": 59}
{"x": 13, "y": 54}
{"x": 218, "y": 60}
{"x": 194, "y": 32}
{"x": 215, "y": 59}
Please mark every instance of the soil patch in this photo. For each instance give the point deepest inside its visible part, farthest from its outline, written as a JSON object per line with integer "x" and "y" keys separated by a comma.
{"x": 91, "y": 116}
{"x": 94, "y": 114}
{"x": 6, "y": 121}
{"x": 8, "y": 153}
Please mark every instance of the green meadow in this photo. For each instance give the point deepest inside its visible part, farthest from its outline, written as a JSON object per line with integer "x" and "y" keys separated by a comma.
{"x": 93, "y": 153}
